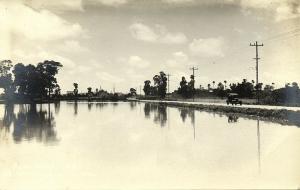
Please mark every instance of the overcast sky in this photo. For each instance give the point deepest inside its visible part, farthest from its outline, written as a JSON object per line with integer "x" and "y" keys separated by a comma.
{"x": 122, "y": 43}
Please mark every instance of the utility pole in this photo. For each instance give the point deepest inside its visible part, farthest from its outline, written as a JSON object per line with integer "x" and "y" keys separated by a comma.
{"x": 256, "y": 58}
{"x": 194, "y": 69}
{"x": 168, "y": 75}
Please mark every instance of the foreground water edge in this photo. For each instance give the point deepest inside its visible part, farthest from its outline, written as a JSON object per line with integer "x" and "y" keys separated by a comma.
{"x": 79, "y": 145}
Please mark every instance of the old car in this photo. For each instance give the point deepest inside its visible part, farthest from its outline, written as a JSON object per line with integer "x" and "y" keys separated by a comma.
{"x": 233, "y": 99}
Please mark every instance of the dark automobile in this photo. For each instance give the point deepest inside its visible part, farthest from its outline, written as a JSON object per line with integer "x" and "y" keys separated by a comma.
{"x": 233, "y": 99}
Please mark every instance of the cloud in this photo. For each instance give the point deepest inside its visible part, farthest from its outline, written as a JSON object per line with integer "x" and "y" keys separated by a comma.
{"x": 179, "y": 60}
{"x": 288, "y": 11}
{"x": 138, "y": 62}
{"x": 62, "y": 5}
{"x": 36, "y": 35}
{"x": 157, "y": 35}
{"x": 39, "y": 56}
{"x": 111, "y": 2}
{"x": 143, "y": 32}
{"x": 24, "y": 21}
{"x": 177, "y": 1}
{"x": 208, "y": 47}
{"x": 73, "y": 46}
{"x": 105, "y": 76}
{"x": 280, "y": 9}
{"x": 180, "y": 56}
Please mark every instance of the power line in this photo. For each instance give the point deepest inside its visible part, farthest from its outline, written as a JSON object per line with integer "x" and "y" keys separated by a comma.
{"x": 256, "y": 58}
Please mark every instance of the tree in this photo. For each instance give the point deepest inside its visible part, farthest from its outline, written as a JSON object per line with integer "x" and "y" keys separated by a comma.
{"x": 89, "y": 90}
{"x": 147, "y": 87}
{"x": 183, "y": 86}
{"x": 36, "y": 81}
{"x": 295, "y": 85}
{"x": 214, "y": 84}
{"x": 48, "y": 70}
{"x": 6, "y": 81}
{"x": 21, "y": 78}
{"x": 132, "y": 92}
{"x": 225, "y": 82}
{"x": 208, "y": 87}
{"x": 75, "y": 91}
{"x": 160, "y": 82}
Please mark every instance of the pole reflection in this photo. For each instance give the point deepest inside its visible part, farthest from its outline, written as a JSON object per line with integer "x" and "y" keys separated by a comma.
{"x": 258, "y": 146}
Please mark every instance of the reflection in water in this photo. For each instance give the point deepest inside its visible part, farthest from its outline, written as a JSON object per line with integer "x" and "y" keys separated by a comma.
{"x": 132, "y": 105}
{"x": 147, "y": 108}
{"x": 159, "y": 111}
{"x": 184, "y": 112}
{"x": 56, "y": 107}
{"x": 232, "y": 118}
{"x": 90, "y": 106}
{"x": 161, "y": 114}
{"x": 258, "y": 146}
{"x": 75, "y": 107}
{"x": 29, "y": 123}
{"x": 222, "y": 157}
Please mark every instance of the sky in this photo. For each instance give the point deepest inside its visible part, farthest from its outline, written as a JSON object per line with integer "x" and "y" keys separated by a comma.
{"x": 121, "y": 43}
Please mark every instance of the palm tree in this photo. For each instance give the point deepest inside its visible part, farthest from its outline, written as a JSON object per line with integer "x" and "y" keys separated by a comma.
{"x": 75, "y": 91}
{"x": 225, "y": 81}
{"x": 214, "y": 84}
{"x": 208, "y": 87}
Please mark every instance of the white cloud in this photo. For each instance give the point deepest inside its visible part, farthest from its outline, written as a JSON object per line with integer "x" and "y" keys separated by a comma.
{"x": 143, "y": 32}
{"x": 280, "y": 9}
{"x": 177, "y": 1}
{"x": 180, "y": 56}
{"x": 174, "y": 38}
{"x": 111, "y": 2}
{"x": 41, "y": 55}
{"x": 73, "y": 46}
{"x": 105, "y": 76}
{"x": 63, "y": 5}
{"x": 138, "y": 62}
{"x": 179, "y": 60}
{"x": 159, "y": 34}
{"x": 286, "y": 11}
{"x": 43, "y": 25}
{"x": 208, "y": 47}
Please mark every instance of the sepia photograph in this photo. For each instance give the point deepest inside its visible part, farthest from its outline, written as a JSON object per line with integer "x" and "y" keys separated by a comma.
{"x": 149, "y": 94}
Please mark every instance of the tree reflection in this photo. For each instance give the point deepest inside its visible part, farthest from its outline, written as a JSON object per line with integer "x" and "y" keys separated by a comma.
{"x": 159, "y": 111}
{"x": 147, "y": 108}
{"x": 232, "y": 118}
{"x": 29, "y": 123}
{"x": 75, "y": 108}
{"x": 185, "y": 112}
{"x": 132, "y": 105}
{"x": 56, "y": 107}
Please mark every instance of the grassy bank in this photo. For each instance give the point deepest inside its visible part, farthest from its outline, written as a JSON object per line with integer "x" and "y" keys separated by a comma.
{"x": 282, "y": 116}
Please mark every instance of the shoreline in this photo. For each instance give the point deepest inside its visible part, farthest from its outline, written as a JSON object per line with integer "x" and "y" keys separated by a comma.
{"x": 282, "y": 116}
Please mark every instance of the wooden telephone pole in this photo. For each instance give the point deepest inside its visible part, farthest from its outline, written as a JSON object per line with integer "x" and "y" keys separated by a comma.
{"x": 168, "y": 75}
{"x": 256, "y": 58}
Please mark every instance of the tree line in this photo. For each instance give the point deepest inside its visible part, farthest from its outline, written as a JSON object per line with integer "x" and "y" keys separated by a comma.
{"x": 29, "y": 81}
{"x": 289, "y": 94}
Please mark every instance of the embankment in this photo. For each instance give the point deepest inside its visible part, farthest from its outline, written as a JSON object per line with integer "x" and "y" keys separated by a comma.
{"x": 283, "y": 116}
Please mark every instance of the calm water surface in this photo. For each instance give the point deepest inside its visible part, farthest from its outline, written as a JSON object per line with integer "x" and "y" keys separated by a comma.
{"x": 141, "y": 145}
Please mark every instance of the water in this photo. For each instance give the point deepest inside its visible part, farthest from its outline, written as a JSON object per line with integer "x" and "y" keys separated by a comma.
{"x": 141, "y": 145}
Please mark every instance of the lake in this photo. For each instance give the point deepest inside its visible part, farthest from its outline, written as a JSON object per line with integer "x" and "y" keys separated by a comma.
{"x": 132, "y": 145}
